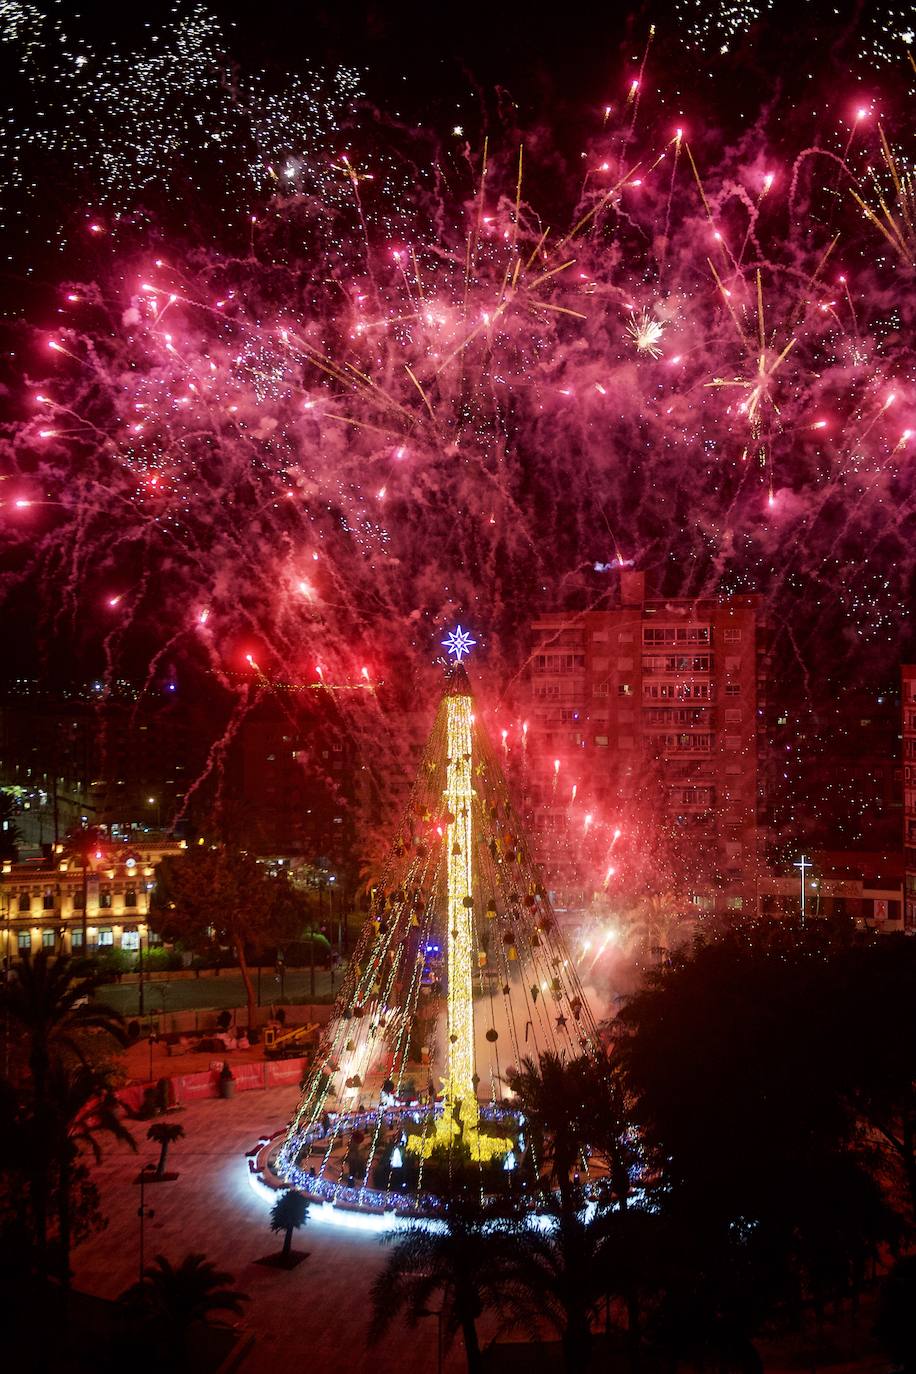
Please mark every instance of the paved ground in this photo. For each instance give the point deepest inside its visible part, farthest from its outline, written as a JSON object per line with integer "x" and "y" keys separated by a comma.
{"x": 315, "y": 1315}
{"x": 224, "y": 992}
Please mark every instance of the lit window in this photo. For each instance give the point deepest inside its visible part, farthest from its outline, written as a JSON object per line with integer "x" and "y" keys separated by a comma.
{"x": 106, "y": 937}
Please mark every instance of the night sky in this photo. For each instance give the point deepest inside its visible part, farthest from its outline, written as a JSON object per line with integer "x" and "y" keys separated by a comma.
{"x": 380, "y": 401}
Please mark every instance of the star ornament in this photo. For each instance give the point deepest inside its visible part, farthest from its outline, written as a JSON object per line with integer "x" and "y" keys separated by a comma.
{"x": 458, "y": 643}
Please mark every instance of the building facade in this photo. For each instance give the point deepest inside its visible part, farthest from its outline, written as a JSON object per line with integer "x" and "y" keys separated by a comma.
{"x": 908, "y": 701}
{"x": 42, "y": 900}
{"x": 643, "y": 748}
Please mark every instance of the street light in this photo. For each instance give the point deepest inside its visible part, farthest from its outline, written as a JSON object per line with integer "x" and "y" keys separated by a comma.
{"x": 803, "y": 864}
{"x": 143, "y": 1211}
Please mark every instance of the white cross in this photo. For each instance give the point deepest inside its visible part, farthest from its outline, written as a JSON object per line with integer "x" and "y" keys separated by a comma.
{"x": 804, "y": 863}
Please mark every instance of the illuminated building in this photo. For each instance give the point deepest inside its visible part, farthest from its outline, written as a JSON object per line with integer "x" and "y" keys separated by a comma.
{"x": 909, "y": 795}
{"x": 41, "y": 901}
{"x": 651, "y": 710}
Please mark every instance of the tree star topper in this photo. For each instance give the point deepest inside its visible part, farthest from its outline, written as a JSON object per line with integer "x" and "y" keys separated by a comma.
{"x": 459, "y": 643}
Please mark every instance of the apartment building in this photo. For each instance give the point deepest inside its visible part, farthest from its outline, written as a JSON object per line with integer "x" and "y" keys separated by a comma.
{"x": 908, "y": 701}
{"x": 643, "y": 748}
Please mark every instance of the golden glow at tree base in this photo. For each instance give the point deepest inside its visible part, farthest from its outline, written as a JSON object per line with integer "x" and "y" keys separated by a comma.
{"x": 460, "y": 1120}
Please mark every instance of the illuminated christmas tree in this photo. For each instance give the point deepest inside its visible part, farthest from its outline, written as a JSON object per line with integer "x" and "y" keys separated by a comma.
{"x": 459, "y": 974}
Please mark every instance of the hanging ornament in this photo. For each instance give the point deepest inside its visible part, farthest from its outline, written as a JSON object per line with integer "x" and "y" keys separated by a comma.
{"x": 492, "y": 1035}
{"x": 506, "y": 989}
{"x": 350, "y": 1046}
{"x": 513, "y": 953}
{"x": 535, "y": 992}
{"x": 468, "y": 903}
{"x": 575, "y": 1007}
{"x": 491, "y": 909}
{"x": 453, "y": 1038}
{"x": 481, "y": 958}
{"x": 561, "y": 1023}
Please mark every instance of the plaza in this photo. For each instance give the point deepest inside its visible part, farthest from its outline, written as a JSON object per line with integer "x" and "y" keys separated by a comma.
{"x": 317, "y": 1313}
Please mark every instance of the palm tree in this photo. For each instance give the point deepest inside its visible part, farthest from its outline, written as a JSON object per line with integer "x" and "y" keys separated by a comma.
{"x": 171, "y": 1297}
{"x": 81, "y": 842}
{"x": 895, "y": 1328}
{"x": 289, "y": 1212}
{"x": 557, "y": 1279}
{"x": 81, "y": 1107}
{"x": 48, "y": 999}
{"x": 551, "y": 1093}
{"x": 164, "y": 1133}
{"x": 462, "y": 1255}
{"x": 606, "y": 1122}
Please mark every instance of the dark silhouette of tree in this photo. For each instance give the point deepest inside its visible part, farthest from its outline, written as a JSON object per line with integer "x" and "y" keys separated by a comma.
{"x": 289, "y": 1212}
{"x": 51, "y": 1014}
{"x": 876, "y": 1047}
{"x": 164, "y": 1133}
{"x": 213, "y": 894}
{"x": 171, "y": 1297}
{"x": 749, "y": 1137}
{"x": 895, "y": 1326}
{"x": 463, "y": 1257}
{"x": 549, "y": 1092}
{"x": 81, "y": 1108}
{"x": 55, "y": 1033}
{"x": 559, "y": 1273}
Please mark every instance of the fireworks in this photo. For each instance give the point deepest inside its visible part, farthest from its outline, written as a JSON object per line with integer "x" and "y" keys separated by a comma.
{"x": 124, "y": 123}
{"x": 646, "y": 333}
{"x": 408, "y": 401}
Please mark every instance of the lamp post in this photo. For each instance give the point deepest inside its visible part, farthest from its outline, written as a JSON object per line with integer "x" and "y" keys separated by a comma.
{"x": 143, "y": 1212}
{"x": 140, "y": 1005}
{"x": 803, "y": 864}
